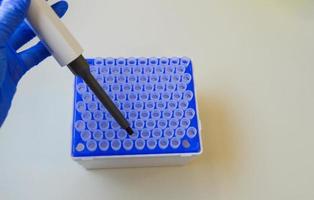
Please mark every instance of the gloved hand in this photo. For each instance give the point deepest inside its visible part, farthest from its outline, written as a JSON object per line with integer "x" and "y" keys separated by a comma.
{"x": 14, "y": 33}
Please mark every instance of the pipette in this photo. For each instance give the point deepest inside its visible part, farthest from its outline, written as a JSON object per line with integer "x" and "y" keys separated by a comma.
{"x": 68, "y": 52}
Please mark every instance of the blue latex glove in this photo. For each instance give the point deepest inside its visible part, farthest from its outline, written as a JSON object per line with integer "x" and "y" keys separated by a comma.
{"x": 14, "y": 33}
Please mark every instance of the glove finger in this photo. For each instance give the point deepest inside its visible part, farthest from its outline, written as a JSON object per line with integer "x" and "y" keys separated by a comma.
{"x": 24, "y": 33}
{"x": 33, "y": 56}
{"x": 12, "y": 14}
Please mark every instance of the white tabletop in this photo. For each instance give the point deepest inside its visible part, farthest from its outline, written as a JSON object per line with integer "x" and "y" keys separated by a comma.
{"x": 253, "y": 62}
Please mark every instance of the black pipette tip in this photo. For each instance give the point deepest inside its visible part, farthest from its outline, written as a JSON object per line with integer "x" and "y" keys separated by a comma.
{"x": 80, "y": 67}
{"x": 129, "y": 130}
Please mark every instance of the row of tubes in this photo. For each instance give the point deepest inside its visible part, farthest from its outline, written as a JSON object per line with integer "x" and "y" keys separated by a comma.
{"x": 137, "y": 105}
{"x": 138, "y": 70}
{"x": 137, "y": 87}
{"x": 184, "y": 61}
{"x": 143, "y": 114}
{"x": 132, "y": 97}
{"x": 93, "y": 125}
{"x": 145, "y": 133}
{"x": 129, "y": 144}
{"x": 144, "y": 78}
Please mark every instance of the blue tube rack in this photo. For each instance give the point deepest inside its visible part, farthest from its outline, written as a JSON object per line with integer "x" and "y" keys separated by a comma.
{"x": 156, "y": 95}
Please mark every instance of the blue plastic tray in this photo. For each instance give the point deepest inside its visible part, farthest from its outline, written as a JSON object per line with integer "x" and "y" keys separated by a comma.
{"x": 156, "y": 95}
